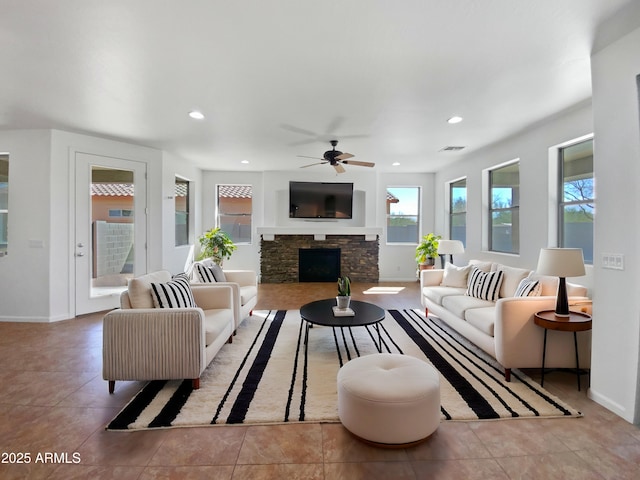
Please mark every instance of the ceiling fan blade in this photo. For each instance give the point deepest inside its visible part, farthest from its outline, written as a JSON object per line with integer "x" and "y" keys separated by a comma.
{"x": 304, "y": 156}
{"x": 339, "y": 168}
{"x": 312, "y": 164}
{"x": 293, "y": 128}
{"x": 344, "y": 156}
{"x": 359, "y": 163}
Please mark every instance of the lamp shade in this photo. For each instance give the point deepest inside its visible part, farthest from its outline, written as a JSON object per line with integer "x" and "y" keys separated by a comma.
{"x": 450, "y": 247}
{"x": 561, "y": 262}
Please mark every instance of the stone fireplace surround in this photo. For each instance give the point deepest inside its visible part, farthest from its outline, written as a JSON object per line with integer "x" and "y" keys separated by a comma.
{"x": 359, "y": 249}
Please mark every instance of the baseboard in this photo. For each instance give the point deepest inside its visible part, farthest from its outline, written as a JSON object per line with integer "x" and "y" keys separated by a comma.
{"x": 609, "y": 404}
{"x": 57, "y": 318}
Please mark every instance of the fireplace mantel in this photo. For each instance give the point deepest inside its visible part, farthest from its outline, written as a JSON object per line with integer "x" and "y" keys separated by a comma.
{"x": 318, "y": 230}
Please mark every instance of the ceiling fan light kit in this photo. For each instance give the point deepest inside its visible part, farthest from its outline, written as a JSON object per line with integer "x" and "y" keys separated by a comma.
{"x": 336, "y": 159}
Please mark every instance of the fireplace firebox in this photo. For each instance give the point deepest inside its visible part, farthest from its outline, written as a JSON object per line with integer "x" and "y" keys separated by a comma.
{"x": 318, "y": 264}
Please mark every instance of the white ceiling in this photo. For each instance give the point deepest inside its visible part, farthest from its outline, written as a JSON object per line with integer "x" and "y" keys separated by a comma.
{"x": 281, "y": 78}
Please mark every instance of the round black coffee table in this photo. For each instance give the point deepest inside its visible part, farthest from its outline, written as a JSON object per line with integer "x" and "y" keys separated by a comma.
{"x": 320, "y": 312}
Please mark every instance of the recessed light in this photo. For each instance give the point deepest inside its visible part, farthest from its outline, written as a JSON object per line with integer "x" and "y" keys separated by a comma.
{"x": 245, "y": 161}
{"x": 454, "y": 119}
{"x": 195, "y": 114}
{"x": 395, "y": 164}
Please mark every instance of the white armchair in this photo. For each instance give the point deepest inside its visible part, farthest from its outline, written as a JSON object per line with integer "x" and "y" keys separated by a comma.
{"x": 244, "y": 284}
{"x": 141, "y": 342}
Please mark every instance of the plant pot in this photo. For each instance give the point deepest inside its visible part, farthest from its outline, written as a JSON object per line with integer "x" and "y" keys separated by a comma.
{"x": 343, "y": 301}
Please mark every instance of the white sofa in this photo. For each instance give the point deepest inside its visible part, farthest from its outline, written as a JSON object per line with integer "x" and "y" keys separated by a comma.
{"x": 505, "y": 328}
{"x": 142, "y": 342}
{"x": 244, "y": 284}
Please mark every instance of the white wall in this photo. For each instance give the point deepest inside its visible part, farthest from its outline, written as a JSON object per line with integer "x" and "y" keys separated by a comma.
{"x": 25, "y": 271}
{"x": 271, "y": 209}
{"x": 175, "y": 258}
{"x": 531, "y": 147}
{"x": 397, "y": 261}
{"x": 616, "y": 331}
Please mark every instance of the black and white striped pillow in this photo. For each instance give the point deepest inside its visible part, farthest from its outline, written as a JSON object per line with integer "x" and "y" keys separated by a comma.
{"x": 527, "y": 288}
{"x": 210, "y": 274}
{"x": 173, "y": 294}
{"x": 204, "y": 273}
{"x": 484, "y": 285}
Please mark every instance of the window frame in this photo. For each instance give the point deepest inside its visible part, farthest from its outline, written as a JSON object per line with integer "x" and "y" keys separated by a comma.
{"x": 513, "y": 209}
{"x": 187, "y": 212}
{"x": 561, "y": 203}
{"x": 418, "y": 215}
{"x": 453, "y": 214}
{"x": 219, "y": 214}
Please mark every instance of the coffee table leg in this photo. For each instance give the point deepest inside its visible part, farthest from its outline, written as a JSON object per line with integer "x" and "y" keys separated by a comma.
{"x": 379, "y": 345}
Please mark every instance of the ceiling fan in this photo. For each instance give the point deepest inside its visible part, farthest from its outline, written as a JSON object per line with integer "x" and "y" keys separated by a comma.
{"x": 336, "y": 159}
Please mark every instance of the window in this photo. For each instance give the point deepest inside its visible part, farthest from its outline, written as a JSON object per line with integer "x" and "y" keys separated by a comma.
{"x": 504, "y": 202}
{"x": 4, "y": 202}
{"x": 458, "y": 211}
{"x": 181, "y": 198}
{"x": 576, "y": 208}
{"x": 403, "y": 214}
{"x": 234, "y": 211}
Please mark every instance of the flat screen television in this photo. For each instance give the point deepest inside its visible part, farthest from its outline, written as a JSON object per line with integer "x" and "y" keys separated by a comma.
{"x": 320, "y": 200}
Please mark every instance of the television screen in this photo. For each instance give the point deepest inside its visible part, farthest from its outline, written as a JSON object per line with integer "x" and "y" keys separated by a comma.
{"x": 320, "y": 200}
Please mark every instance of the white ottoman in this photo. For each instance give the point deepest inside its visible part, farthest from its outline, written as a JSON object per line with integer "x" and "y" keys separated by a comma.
{"x": 389, "y": 399}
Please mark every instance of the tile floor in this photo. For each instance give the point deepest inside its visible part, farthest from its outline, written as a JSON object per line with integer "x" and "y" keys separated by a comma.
{"x": 54, "y": 401}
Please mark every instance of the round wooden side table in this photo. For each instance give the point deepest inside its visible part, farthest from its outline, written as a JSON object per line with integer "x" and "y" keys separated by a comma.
{"x": 575, "y": 322}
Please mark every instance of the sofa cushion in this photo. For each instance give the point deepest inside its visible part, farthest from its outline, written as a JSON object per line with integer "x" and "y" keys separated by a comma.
{"x": 528, "y": 288}
{"x": 483, "y": 285}
{"x": 437, "y": 293}
{"x": 139, "y": 288}
{"x": 511, "y": 279}
{"x": 548, "y": 285}
{"x": 216, "y": 321}
{"x": 459, "y": 304}
{"x": 482, "y": 265}
{"x": 175, "y": 293}
{"x": 482, "y": 318}
{"x": 455, "y": 276}
{"x": 247, "y": 293}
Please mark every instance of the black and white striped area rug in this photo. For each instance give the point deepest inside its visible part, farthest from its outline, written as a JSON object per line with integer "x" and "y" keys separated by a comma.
{"x": 269, "y": 374}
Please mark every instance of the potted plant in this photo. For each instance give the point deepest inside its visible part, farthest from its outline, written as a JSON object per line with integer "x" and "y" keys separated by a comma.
{"x": 216, "y": 244}
{"x": 344, "y": 292}
{"x": 427, "y": 251}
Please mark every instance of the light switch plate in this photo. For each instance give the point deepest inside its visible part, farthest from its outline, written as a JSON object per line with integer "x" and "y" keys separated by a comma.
{"x": 613, "y": 261}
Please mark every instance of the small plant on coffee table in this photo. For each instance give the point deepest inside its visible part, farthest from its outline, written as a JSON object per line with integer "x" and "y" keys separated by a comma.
{"x": 344, "y": 292}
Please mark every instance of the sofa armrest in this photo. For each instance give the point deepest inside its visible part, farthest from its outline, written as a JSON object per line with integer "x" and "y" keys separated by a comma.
{"x": 209, "y": 296}
{"x": 431, "y": 277}
{"x": 243, "y": 278}
{"x": 516, "y": 335}
{"x": 153, "y": 343}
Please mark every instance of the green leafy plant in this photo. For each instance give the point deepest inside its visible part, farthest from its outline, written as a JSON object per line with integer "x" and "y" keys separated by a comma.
{"x": 344, "y": 286}
{"x": 427, "y": 248}
{"x": 216, "y": 244}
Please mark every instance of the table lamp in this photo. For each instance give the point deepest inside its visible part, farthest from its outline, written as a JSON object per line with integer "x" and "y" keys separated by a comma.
{"x": 562, "y": 263}
{"x": 449, "y": 247}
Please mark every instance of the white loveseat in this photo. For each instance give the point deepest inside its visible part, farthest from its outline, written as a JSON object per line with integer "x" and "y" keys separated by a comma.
{"x": 505, "y": 328}
{"x": 142, "y": 342}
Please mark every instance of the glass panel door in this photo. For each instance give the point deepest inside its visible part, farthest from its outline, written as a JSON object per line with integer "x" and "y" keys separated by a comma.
{"x": 110, "y": 229}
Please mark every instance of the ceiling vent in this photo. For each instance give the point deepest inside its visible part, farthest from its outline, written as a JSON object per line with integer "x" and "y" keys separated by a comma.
{"x": 451, "y": 148}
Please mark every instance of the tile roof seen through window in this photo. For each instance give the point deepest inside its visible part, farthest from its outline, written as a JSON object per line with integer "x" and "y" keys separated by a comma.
{"x": 126, "y": 189}
{"x": 234, "y": 191}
